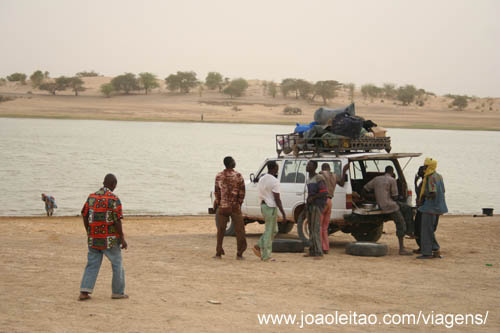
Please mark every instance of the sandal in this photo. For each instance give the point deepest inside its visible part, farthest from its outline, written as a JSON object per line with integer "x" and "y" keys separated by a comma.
{"x": 425, "y": 257}
{"x": 405, "y": 253}
{"x": 256, "y": 251}
{"x": 269, "y": 260}
{"x": 119, "y": 296}
{"x": 84, "y": 298}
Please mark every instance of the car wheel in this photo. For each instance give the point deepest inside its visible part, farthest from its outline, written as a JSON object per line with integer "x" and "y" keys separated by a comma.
{"x": 288, "y": 245}
{"x": 303, "y": 227}
{"x": 368, "y": 232}
{"x": 366, "y": 249}
{"x": 229, "y": 228}
{"x": 285, "y": 227}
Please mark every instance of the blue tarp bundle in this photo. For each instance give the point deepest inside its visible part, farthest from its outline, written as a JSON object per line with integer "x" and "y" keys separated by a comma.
{"x": 304, "y": 128}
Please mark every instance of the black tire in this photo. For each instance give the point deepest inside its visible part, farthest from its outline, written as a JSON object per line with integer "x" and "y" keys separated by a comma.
{"x": 366, "y": 249}
{"x": 332, "y": 228}
{"x": 288, "y": 245}
{"x": 303, "y": 226}
{"x": 285, "y": 227}
{"x": 229, "y": 228}
{"x": 368, "y": 232}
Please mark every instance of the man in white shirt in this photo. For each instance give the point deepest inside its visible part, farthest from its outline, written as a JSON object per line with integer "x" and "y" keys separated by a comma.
{"x": 269, "y": 196}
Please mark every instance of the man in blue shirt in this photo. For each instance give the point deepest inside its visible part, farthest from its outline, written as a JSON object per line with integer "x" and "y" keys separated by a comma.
{"x": 434, "y": 205}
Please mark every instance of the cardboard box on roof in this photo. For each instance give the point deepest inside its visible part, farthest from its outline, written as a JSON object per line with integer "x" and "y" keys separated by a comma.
{"x": 379, "y": 132}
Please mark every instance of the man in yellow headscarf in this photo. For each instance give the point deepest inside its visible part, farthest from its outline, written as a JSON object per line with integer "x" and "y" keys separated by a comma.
{"x": 432, "y": 195}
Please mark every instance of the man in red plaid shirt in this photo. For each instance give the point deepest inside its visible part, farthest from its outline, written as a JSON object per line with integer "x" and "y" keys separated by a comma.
{"x": 229, "y": 196}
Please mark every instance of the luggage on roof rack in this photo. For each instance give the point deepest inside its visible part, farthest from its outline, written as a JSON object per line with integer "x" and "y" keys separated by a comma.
{"x": 329, "y": 143}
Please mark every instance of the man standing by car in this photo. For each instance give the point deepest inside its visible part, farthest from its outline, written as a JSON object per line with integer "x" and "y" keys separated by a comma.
{"x": 102, "y": 214}
{"x": 331, "y": 181}
{"x": 434, "y": 204}
{"x": 269, "y": 196}
{"x": 316, "y": 201}
{"x": 229, "y": 196}
{"x": 386, "y": 192}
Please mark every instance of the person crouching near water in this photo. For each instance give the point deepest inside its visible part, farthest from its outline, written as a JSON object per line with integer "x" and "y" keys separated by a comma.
{"x": 229, "y": 195}
{"x": 50, "y": 204}
{"x": 270, "y": 201}
{"x": 331, "y": 181}
{"x": 317, "y": 194}
{"x": 434, "y": 204}
{"x": 386, "y": 193}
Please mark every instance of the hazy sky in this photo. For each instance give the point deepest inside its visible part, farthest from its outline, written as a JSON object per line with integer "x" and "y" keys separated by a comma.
{"x": 443, "y": 46}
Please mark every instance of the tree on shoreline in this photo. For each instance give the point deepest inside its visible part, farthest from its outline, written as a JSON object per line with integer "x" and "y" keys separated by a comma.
{"x": 326, "y": 89}
{"x": 371, "y": 90}
{"x": 107, "y": 89}
{"x": 148, "y": 81}
{"x": 304, "y": 88}
{"x": 214, "y": 81}
{"x": 287, "y": 86}
{"x": 76, "y": 84}
{"x": 182, "y": 81}
{"x": 406, "y": 94}
{"x": 236, "y": 88}
{"x": 87, "y": 74}
{"x": 351, "y": 87}
{"x": 459, "y": 101}
{"x": 59, "y": 84}
{"x": 17, "y": 77}
{"x": 126, "y": 83}
{"x": 37, "y": 78}
{"x": 389, "y": 90}
{"x": 49, "y": 86}
{"x": 272, "y": 89}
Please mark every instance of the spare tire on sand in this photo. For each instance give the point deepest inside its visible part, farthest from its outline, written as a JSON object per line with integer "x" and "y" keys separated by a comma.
{"x": 288, "y": 245}
{"x": 367, "y": 249}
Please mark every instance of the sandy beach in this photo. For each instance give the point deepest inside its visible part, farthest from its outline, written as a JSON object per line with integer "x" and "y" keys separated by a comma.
{"x": 171, "y": 278}
{"x": 255, "y": 107}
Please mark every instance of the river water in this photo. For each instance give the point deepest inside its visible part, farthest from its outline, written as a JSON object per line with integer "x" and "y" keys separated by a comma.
{"x": 169, "y": 168}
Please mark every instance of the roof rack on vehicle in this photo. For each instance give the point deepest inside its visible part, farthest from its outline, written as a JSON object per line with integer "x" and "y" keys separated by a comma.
{"x": 336, "y": 144}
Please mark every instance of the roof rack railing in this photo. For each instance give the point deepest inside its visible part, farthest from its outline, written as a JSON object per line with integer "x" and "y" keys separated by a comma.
{"x": 336, "y": 144}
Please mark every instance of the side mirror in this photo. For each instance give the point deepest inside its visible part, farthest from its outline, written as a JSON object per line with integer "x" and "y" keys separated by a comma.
{"x": 252, "y": 178}
{"x": 345, "y": 178}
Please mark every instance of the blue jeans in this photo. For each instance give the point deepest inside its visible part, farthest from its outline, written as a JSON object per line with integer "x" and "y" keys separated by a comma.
{"x": 94, "y": 264}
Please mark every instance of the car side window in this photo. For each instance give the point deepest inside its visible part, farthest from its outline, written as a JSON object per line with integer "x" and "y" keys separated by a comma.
{"x": 335, "y": 167}
{"x": 289, "y": 173}
{"x": 263, "y": 170}
{"x": 373, "y": 167}
{"x": 356, "y": 171}
{"x": 301, "y": 173}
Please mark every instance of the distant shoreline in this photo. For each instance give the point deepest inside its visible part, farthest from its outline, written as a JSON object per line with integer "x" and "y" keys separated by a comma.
{"x": 255, "y": 107}
{"x": 242, "y": 122}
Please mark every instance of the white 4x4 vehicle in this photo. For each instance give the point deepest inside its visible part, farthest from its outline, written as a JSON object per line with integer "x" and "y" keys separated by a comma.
{"x": 348, "y": 215}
